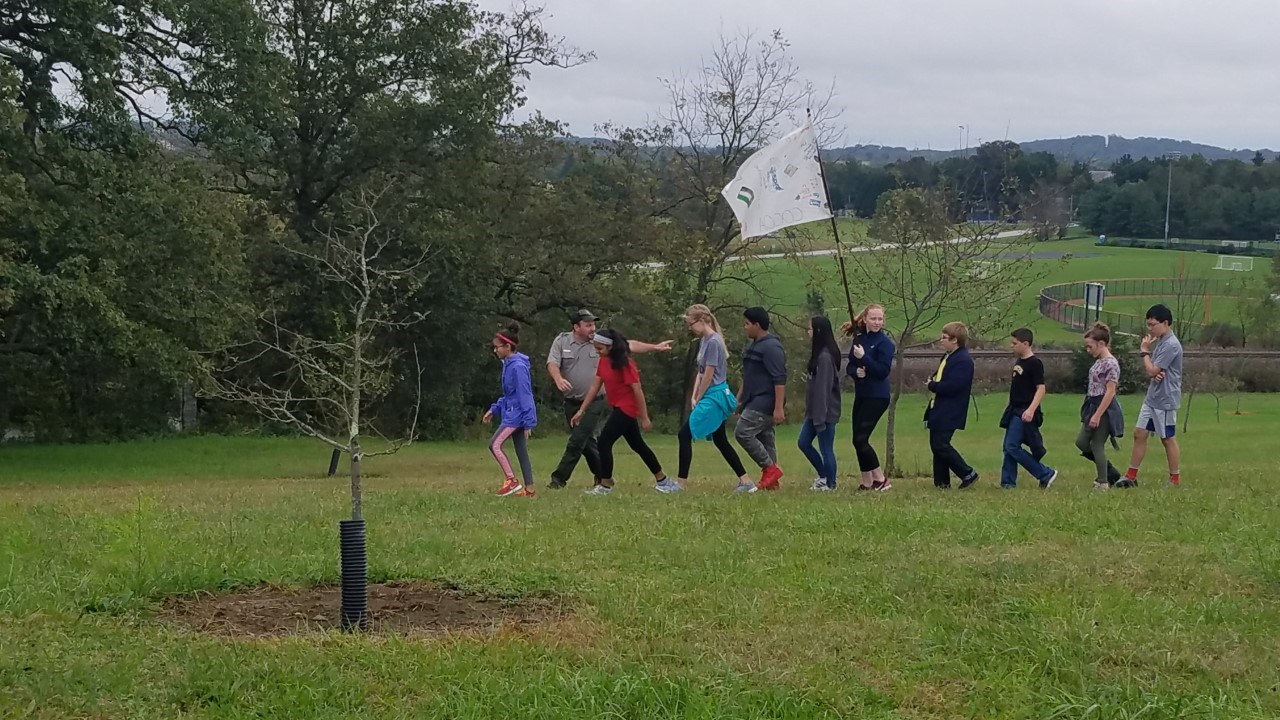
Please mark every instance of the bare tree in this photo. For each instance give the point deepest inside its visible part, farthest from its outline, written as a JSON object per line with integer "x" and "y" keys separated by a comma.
{"x": 1187, "y": 301}
{"x": 1047, "y": 209}
{"x": 748, "y": 93}
{"x": 1214, "y": 384}
{"x": 324, "y": 387}
{"x": 926, "y": 269}
{"x": 1257, "y": 313}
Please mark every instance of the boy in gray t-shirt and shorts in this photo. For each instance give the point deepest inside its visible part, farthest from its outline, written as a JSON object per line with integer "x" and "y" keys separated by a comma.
{"x": 1162, "y": 360}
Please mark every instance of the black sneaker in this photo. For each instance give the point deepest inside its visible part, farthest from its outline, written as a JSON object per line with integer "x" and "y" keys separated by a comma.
{"x": 1125, "y": 483}
{"x": 555, "y": 484}
{"x": 973, "y": 478}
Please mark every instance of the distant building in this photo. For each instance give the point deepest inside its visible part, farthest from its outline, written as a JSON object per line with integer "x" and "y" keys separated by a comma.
{"x": 1100, "y": 175}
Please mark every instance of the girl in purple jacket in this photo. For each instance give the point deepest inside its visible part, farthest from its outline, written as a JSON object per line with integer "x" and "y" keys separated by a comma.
{"x": 516, "y": 411}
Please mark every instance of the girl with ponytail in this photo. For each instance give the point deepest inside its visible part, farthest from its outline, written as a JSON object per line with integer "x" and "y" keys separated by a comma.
{"x": 619, "y": 377}
{"x": 712, "y": 402}
{"x": 1100, "y": 416}
{"x": 870, "y": 362}
{"x": 516, "y": 410}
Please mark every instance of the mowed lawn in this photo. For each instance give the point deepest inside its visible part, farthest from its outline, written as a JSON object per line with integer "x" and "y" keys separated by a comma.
{"x": 786, "y": 283}
{"x": 1070, "y": 603}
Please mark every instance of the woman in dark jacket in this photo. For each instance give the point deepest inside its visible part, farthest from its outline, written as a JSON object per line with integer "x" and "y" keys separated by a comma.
{"x": 951, "y": 387}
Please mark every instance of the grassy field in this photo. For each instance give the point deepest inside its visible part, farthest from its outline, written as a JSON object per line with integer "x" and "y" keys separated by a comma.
{"x": 787, "y": 282}
{"x": 911, "y": 604}
{"x": 814, "y": 236}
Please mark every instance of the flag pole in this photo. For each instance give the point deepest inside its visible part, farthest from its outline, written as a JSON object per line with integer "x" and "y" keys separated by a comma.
{"x": 835, "y": 229}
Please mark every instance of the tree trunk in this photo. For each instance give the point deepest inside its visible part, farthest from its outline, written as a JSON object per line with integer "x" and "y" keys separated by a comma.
{"x": 190, "y": 415}
{"x": 357, "y": 499}
{"x": 353, "y": 415}
{"x": 891, "y": 460}
{"x": 355, "y": 557}
{"x": 689, "y": 373}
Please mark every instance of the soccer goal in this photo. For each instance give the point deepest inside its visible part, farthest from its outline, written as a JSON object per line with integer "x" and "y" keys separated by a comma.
{"x": 1234, "y": 263}
{"x": 984, "y": 269}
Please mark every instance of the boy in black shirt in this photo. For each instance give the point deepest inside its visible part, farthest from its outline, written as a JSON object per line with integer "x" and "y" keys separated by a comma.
{"x": 1022, "y": 418}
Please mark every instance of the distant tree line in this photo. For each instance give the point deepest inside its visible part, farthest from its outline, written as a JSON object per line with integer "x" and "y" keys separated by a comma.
{"x": 1219, "y": 200}
{"x": 998, "y": 181}
{"x": 1223, "y": 200}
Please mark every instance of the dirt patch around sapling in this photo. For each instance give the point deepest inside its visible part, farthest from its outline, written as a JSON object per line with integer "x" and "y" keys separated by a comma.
{"x": 396, "y": 608}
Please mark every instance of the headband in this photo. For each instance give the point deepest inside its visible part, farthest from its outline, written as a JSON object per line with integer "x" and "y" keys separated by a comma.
{"x": 507, "y": 340}
{"x": 602, "y": 340}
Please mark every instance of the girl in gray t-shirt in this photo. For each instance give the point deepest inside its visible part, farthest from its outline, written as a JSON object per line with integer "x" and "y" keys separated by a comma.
{"x": 712, "y": 402}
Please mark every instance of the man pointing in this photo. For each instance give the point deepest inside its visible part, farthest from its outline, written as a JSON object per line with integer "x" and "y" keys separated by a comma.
{"x": 572, "y": 366}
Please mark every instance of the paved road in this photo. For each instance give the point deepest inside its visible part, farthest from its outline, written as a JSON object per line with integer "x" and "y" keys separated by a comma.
{"x": 829, "y": 253}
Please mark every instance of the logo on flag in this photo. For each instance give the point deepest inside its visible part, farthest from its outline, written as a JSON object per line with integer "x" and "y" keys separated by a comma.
{"x": 787, "y": 181}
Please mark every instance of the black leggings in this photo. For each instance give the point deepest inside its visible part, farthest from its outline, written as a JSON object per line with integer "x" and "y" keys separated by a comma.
{"x": 622, "y": 425}
{"x": 866, "y": 415}
{"x": 722, "y": 444}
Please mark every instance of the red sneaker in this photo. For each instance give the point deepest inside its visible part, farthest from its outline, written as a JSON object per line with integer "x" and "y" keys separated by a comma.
{"x": 510, "y": 487}
{"x": 526, "y": 492}
{"x": 770, "y": 477}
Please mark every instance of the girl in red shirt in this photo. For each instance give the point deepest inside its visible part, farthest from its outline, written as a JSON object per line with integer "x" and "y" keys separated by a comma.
{"x": 618, "y": 375}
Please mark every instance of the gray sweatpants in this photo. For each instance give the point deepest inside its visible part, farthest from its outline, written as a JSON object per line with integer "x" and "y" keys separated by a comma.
{"x": 755, "y": 434}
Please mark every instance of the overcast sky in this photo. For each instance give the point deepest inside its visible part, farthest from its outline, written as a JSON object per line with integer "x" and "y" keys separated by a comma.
{"x": 909, "y": 72}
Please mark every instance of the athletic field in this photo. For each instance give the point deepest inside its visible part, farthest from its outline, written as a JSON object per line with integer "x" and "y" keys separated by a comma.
{"x": 789, "y": 281}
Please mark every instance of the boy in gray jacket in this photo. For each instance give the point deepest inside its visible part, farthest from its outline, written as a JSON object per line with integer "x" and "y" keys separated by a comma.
{"x": 762, "y": 398}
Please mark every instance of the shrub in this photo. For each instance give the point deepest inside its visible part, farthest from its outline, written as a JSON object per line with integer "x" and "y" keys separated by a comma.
{"x": 1132, "y": 377}
{"x": 1221, "y": 334}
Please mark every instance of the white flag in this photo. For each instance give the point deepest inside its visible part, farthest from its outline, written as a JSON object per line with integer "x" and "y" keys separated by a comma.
{"x": 779, "y": 186}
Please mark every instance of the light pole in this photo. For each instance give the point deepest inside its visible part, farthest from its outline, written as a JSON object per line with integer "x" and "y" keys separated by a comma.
{"x": 961, "y": 139}
{"x": 1168, "y": 195}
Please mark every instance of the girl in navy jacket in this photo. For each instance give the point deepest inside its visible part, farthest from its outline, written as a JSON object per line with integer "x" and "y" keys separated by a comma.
{"x": 951, "y": 386}
{"x": 516, "y": 410}
{"x": 870, "y": 362}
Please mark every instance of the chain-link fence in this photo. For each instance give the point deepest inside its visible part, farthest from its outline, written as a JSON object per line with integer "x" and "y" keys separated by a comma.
{"x": 1252, "y": 248}
{"x": 1065, "y": 302}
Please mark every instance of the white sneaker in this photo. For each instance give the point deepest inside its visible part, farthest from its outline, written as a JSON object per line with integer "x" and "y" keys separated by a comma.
{"x": 819, "y": 484}
{"x": 599, "y": 490}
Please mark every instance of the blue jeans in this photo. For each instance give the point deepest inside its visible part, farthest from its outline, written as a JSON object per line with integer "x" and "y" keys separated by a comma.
{"x": 823, "y": 459}
{"x": 1018, "y": 434}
